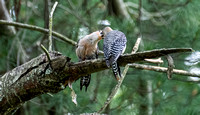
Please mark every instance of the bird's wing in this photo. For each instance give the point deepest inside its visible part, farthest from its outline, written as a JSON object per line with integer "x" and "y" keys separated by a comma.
{"x": 118, "y": 45}
{"x": 80, "y": 52}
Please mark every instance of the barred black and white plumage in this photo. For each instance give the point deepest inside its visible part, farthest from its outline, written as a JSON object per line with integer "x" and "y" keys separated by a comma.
{"x": 87, "y": 49}
{"x": 114, "y": 46}
{"x": 116, "y": 70}
{"x": 85, "y": 81}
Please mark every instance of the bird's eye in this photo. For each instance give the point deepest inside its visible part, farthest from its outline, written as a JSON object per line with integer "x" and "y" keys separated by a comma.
{"x": 101, "y": 33}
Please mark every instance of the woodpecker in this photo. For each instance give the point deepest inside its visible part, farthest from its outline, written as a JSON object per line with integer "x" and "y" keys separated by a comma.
{"x": 114, "y": 45}
{"x": 87, "y": 49}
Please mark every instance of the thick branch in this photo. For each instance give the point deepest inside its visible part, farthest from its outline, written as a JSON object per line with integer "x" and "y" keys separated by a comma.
{"x": 36, "y": 77}
{"x": 88, "y": 67}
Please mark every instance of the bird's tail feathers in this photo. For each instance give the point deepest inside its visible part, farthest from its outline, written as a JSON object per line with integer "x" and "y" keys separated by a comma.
{"x": 85, "y": 81}
{"x": 116, "y": 70}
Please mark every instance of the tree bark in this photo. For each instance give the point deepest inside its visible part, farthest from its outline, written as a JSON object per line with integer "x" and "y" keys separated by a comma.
{"x": 118, "y": 8}
{"x": 38, "y": 76}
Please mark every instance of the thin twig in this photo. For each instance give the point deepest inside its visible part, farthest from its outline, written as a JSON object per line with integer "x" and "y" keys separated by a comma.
{"x": 134, "y": 50}
{"x": 170, "y": 66}
{"x": 46, "y": 52}
{"x": 114, "y": 91}
{"x": 139, "y": 17}
{"x": 50, "y": 25}
{"x": 156, "y": 61}
{"x": 162, "y": 69}
{"x": 170, "y": 5}
{"x": 40, "y": 29}
{"x": 136, "y": 46}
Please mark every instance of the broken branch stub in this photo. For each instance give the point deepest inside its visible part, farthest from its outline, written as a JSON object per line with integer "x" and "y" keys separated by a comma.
{"x": 170, "y": 66}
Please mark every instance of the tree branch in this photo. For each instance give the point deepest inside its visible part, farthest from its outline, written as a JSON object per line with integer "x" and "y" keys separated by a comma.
{"x": 4, "y": 15}
{"x": 39, "y": 29}
{"x": 36, "y": 77}
{"x": 50, "y": 25}
{"x": 163, "y": 69}
{"x": 42, "y": 30}
{"x": 171, "y": 5}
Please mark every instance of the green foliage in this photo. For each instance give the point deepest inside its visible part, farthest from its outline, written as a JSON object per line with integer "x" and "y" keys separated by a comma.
{"x": 169, "y": 97}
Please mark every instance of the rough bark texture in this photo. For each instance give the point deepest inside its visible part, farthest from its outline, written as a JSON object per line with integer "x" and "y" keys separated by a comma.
{"x": 38, "y": 76}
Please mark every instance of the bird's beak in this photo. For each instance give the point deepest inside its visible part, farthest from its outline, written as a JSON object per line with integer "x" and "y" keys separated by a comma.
{"x": 102, "y": 35}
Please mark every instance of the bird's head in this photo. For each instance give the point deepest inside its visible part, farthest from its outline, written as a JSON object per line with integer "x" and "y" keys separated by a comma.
{"x": 96, "y": 36}
{"x": 106, "y": 30}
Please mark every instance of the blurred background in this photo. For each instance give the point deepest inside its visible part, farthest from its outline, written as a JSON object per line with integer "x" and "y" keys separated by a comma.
{"x": 162, "y": 24}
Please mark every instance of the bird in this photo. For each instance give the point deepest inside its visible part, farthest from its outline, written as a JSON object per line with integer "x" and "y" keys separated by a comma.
{"x": 87, "y": 49}
{"x": 113, "y": 46}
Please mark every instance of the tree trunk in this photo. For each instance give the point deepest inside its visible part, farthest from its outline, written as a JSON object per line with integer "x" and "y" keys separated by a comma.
{"x": 118, "y": 8}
